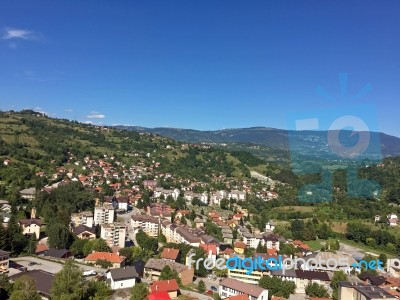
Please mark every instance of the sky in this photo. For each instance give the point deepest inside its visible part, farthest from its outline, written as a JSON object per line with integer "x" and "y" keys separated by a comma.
{"x": 204, "y": 65}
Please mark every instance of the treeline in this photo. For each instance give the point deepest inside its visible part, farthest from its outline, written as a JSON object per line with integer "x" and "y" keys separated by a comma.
{"x": 375, "y": 238}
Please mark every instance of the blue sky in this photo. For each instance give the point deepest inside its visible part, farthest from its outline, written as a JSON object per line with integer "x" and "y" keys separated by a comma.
{"x": 198, "y": 64}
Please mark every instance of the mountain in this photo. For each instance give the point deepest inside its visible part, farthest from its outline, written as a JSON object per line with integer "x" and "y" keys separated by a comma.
{"x": 314, "y": 143}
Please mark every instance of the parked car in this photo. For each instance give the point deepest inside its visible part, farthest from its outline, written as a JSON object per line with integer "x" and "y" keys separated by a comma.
{"x": 87, "y": 273}
{"x": 214, "y": 288}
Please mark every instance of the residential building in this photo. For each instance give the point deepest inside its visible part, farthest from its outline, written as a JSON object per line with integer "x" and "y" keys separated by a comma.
{"x": 104, "y": 214}
{"x": 351, "y": 291}
{"x": 392, "y": 220}
{"x": 43, "y": 281}
{"x": 165, "y": 286}
{"x": 170, "y": 254}
{"x": 230, "y": 287}
{"x": 58, "y": 253}
{"x": 28, "y": 194}
{"x": 114, "y": 234}
{"x": 82, "y": 218}
{"x": 116, "y": 260}
{"x": 239, "y": 247}
{"x": 84, "y": 233}
{"x": 122, "y": 278}
{"x": 31, "y": 227}
{"x": 149, "y": 224}
{"x": 153, "y": 268}
{"x": 4, "y": 261}
{"x": 303, "y": 278}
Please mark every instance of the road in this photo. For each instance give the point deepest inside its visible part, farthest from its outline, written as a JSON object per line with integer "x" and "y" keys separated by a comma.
{"x": 209, "y": 283}
{"x": 127, "y": 220}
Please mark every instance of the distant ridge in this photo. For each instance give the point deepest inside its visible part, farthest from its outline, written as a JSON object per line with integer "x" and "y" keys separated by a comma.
{"x": 306, "y": 142}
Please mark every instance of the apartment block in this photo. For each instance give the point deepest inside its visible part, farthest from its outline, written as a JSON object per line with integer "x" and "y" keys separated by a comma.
{"x": 114, "y": 234}
{"x": 84, "y": 218}
{"x": 353, "y": 291}
{"x": 231, "y": 287}
{"x": 149, "y": 224}
{"x": 104, "y": 214}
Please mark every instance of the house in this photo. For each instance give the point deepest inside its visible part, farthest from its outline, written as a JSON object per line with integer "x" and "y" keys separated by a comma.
{"x": 239, "y": 297}
{"x": 392, "y": 219}
{"x": 230, "y": 287}
{"x": 153, "y": 268}
{"x": 28, "y": 194}
{"x": 6, "y": 162}
{"x": 43, "y": 281}
{"x": 114, "y": 234}
{"x": 351, "y": 291}
{"x": 31, "y": 226}
{"x": 165, "y": 286}
{"x": 303, "y": 278}
{"x": 122, "y": 278}
{"x": 41, "y": 249}
{"x": 270, "y": 226}
{"x": 239, "y": 247}
{"x": 123, "y": 203}
{"x": 159, "y": 296}
{"x": 116, "y": 260}
{"x": 4, "y": 261}
{"x": 171, "y": 254}
{"x": 84, "y": 233}
{"x": 58, "y": 253}
{"x": 211, "y": 251}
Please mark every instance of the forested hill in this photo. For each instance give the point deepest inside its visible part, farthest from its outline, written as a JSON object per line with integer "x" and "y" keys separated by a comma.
{"x": 36, "y": 143}
{"x": 305, "y": 142}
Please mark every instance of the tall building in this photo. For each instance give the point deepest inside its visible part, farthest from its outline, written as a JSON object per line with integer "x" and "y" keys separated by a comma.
{"x": 104, "y": 214}
{"x": 148, "y": 224}
{"x": 114, "y": 234}
{"x": 84, "y": 218}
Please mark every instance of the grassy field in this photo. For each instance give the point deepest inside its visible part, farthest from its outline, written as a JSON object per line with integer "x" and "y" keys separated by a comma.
{"x": 315, "y": 245}
{"x": 294, "y": 208}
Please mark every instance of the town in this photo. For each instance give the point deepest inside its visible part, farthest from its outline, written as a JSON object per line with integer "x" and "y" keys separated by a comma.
{"x": 137, "y": 240}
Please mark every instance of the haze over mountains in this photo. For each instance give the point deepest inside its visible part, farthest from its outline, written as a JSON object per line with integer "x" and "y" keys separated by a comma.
{"x": 304, "y": 142}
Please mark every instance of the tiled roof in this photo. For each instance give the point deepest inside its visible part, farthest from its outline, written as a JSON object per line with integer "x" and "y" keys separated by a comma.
{"x": 245, "y": 288}
{"x": 170, "y": 253}
{"x": 111, "y": 257}
{"x": 164, "y": 286}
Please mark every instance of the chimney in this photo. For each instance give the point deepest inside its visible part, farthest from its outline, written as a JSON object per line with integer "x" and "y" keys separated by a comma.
{"x": 33, "y": 213}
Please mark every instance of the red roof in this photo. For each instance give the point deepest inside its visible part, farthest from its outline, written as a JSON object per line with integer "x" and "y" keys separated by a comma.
{"x": 170, "y": 253}
{"x": 41, "y": 248}
{"x": 164, "y": 286}
{"x": 111, "y": 257}
{"x": 159, "y": 296}
{"x": 209, "y": 247}
{"x": 238, "y": 297}
{"x": 240, "y": 245}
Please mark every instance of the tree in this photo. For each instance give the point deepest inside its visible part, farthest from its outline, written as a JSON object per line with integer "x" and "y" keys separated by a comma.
{"x": 277, "y": 286}
{"x": 383, "y": 258}
{"x": 168, "y": 273}
{"x": 224, "y": 204}
{"x": 5, "y": 286}
{"x": 59, "y": 235}
{"x": 139, "y": 292}
{"x": 69, "y": 283}
{"x": 77, "y": 247}
{"x": 316, "y": 290}
{"x": 24, "y": 288}
{"x": 201, "y": 287}
{"x": 105, "y": 264}
{"x": 99, "y": 245}
{"x": 99, "y": 290}
{"x": 338, "y": 276}
{"x": 220, "y": 273}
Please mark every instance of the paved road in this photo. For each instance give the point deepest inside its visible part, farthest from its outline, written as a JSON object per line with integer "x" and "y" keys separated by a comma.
{"x": 127, "y": 220}
{"x": 353, "y": 251}
{"x": 209, "y": 283}
{"x": 196, "y": 295}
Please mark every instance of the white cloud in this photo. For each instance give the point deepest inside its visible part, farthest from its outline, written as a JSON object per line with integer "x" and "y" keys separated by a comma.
{"x": 69, "y": 110}
{"x": 14, "y": 33}
{"x": 94, "y": 115}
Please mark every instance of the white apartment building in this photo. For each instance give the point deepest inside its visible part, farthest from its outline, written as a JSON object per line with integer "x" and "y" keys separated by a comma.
{"x": 103, "y": 214}
{"x": 150, "y": 225}
{"x": 114, "y": 234}
{"x": 82, "y": 218}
